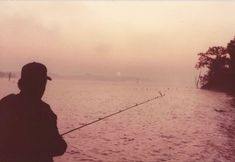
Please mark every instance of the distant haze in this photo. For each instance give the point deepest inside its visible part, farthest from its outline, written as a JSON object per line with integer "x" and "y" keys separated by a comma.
{"x": 146, "y": 39}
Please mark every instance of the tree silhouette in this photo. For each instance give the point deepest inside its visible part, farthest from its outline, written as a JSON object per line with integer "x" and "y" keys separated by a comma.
{"x": 216, "y": 61}
{"x": 231, "y": 51}
{"x": 220, "y": 65}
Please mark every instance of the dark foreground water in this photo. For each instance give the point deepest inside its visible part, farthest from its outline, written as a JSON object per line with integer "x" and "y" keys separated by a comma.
{"x": 186, "y": 125}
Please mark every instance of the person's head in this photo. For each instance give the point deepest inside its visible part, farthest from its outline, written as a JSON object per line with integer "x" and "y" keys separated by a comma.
{"x": 33, "y": 80}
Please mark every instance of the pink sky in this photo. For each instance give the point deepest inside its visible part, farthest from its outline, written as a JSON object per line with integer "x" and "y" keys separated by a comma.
{"x": 138, "y": 38}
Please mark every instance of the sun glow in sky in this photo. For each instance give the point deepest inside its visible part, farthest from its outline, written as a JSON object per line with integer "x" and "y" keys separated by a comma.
{"x": 148, "y": 39}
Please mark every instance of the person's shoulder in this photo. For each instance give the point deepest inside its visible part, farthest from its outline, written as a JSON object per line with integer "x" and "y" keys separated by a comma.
{"x": 7, "y": 103}
{"x": 47, "y": 110}
{"x": 8, "y": 99}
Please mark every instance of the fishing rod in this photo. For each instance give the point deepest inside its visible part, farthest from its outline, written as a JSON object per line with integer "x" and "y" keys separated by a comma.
{"x": 115, "y": 113}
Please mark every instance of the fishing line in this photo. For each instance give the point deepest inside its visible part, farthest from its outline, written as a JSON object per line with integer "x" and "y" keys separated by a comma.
{"x": 115, "y": 113}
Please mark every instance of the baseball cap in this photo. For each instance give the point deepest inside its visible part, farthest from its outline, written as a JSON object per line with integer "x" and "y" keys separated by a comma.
{"x": 34, "y": 69}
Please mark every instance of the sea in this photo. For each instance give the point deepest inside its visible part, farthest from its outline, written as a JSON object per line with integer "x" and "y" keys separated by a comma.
{"x": 186, "y": 125}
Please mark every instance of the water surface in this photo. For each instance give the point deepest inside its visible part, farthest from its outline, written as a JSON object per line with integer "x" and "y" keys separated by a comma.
{"x": 186, "y": 125}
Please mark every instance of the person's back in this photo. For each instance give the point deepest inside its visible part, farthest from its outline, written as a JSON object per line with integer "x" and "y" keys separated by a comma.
{"x": 28, "y": 125}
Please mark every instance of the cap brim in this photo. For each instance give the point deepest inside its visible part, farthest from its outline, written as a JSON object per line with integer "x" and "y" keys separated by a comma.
{"x": 49, "y": 78}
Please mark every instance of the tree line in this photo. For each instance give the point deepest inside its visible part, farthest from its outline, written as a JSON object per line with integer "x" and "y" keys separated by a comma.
{"x": 218, "y": 66}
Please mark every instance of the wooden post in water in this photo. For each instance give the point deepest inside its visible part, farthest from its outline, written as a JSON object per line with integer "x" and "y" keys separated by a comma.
{"x": 9, "y": 76}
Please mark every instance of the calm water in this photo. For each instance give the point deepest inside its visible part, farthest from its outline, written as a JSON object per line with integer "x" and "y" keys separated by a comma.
{"x": 186, "y": 125}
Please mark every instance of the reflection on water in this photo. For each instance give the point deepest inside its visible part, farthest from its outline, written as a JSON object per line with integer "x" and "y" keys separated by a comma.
{"x": 186, "y": 125}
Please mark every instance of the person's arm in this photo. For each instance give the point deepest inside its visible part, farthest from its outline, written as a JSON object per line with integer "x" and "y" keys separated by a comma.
{"x": 56, "y": 144}
{"x": 59, "y": 145}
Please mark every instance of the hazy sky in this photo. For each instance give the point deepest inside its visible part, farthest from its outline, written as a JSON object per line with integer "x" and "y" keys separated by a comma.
{"x": 138, "y": 38}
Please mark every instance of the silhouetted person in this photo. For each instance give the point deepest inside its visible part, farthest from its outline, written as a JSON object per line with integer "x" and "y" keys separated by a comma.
{"x": 28, "y": 131}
